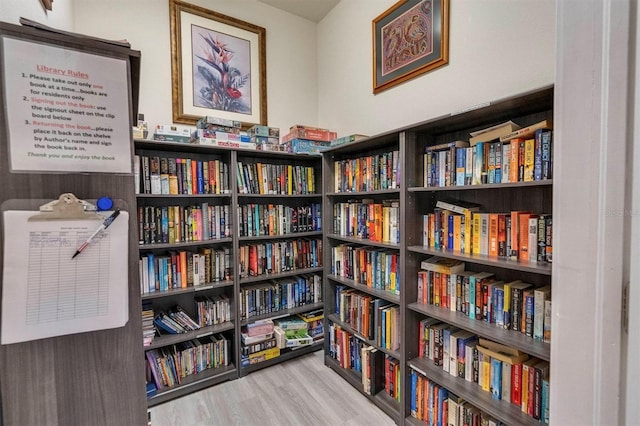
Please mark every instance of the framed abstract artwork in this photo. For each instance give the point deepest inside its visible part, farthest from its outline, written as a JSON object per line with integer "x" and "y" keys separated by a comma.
{"x": 218, "y": 66}
{"x": 409, "y": 39}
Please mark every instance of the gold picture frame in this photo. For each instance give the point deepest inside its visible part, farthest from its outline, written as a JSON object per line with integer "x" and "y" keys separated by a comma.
{"x": 409, "y": 39}
{"x": 218, "y": 66}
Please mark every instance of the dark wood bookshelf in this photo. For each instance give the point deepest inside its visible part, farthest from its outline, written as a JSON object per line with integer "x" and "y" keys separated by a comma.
{"x": 363, "y": 241}
{"x": 194, "y": 382}
{"x": 266, "y": 277}
{"x": 511, "y": 338}
{"x": 174, "y": 246}
{"x": 382, "y": 400}
{"x": 176, "y": 291}
{"x": 502, "y": 410}
{"x": 281, "y": 237}
{"x": 283, "y": 313}
{"x": 542, "y": 268}
{"x": 415, "y": 201}
{"x": 172, "y": 339}
{"x": 336, "y": 320}
{"x": 382, "y": 294}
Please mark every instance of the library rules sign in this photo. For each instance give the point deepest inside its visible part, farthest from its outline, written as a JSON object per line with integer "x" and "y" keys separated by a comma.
{"x": 67, "y": 111}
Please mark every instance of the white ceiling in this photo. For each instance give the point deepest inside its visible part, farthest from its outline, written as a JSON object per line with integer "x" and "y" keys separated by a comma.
{"x": 313, "y": 10}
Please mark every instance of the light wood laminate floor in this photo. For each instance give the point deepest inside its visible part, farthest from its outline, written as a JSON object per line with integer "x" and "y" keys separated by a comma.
{"x": 301, "y": 391}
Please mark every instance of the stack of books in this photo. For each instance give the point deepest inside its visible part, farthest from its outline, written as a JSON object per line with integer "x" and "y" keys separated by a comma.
{"x": 303, "y": 139}
{"x": 266, "y": 138}
{"x": 315, "y": 323}
{"x": 172, "y": 133}
{"x": 291, "y": 332}
{"x": 216, "y": 131}
{"x": 258, "y": 343}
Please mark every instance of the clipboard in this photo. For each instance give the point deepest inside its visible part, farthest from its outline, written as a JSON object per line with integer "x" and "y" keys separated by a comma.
{"x": 47, "y": 293}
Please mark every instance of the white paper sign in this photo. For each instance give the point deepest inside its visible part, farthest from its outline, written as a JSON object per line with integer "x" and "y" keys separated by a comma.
{"x": 48, "y": 293}
{"x": 67, "y": 111}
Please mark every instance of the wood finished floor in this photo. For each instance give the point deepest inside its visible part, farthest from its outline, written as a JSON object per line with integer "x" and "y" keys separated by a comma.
{"x": 301, "y": 391}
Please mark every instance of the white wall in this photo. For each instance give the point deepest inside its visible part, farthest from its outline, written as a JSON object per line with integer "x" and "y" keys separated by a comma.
{"x": 60, "y": 17}
{"x": 291, "y": 52}
{"x": 497, "y": 48}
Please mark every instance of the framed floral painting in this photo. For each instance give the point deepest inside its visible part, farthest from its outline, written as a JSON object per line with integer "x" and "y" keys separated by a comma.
{"x": 409, "y": 39}
{"x": 218, "y": 66}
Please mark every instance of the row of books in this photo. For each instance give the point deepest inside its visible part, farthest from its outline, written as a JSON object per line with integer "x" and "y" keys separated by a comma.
{"x": 517, "y": 160}
{"x": 370, "y": 173}
{"x": 177, "y": 320}
{"x": 174, "y": 175}
{"x": 169, "y": 366}
{"x": 148, "y": 329}
{"x": 179, "y": 224}
{"x": 212, "y": 310}
{"x": 518, "y": 235}
{"x": 373, "y": 318}
{"x": 514, "y": 305}
{"x": 368, "y": 220}
{"x": 275, "y": 179}
{"x": 279, "y": 295}
{"x": 505, "y": 372}
{"x": 315, "y": 323}
{"x": 278, "y": 257}
{"x": 182, "y": 269}
{"x": 378, "y": 371}
{"x": 435, "y": 405}
{"x": 276, "y": 219}
{"x": 372, "y": 267}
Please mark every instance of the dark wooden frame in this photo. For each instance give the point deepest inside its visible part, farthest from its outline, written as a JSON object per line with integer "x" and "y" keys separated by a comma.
{"x": 439, "y": 55}
{"x": 178, "y": 95}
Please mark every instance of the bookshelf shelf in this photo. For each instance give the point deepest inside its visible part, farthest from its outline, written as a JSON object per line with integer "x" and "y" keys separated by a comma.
{"x": 173, "y": 246}
{"x": 490, "y": 186}
{"x": 265, "y": 277}
{"x": 283, "y": 313}
{"x": 363, "y": 241}
{"x": 382, "y": 294}
{"x": 281, "y": 237}
{"x": 179, "y": 147}
{"x": 249, "y": 197}
{"x": 542, "y": 268}
{"x": 502, "y": 410}
{"x": 382, "y": 400}
{"x": 195, "y": 382}
{"x": 394, "y": 192}
{"x": 491, "y": 331}
{"x": 179, "y": 196}
{"x": 285, "y": 355}
{"x": 177, "y": 291}
{"x": 171, "y": 339}
{"x": 336, "y": 320}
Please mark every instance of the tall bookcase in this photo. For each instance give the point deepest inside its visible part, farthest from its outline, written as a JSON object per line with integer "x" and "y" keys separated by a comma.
{"x": 363, "y": 176}
{"x": 416, "y": 200}
{"x": 172, "y": 236}
{"x": 268, "y": 237}
{"x": 282, "y": 204}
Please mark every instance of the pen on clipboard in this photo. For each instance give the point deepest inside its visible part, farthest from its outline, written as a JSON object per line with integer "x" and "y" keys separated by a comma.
{"x": 108, "y": 221}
